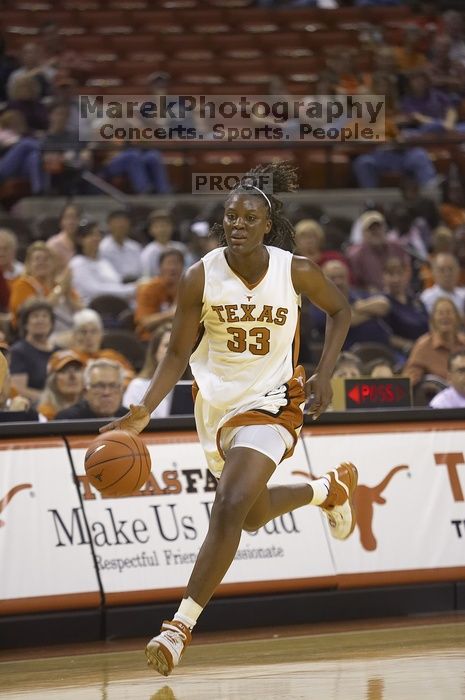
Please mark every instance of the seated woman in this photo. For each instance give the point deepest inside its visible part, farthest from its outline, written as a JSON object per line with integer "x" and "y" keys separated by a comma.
{"x": 40, "y": 281}
{"x": 430, "y": 353}
{"x": 64, "y": 385}
{"x": 407, "y": 317}
{"x": 156, "y": 350}
{"x": 87, "y": 339}
{"x": 30, "y": 355}
{"x": 310, "y": 241}
{"x": 92, "y": 274}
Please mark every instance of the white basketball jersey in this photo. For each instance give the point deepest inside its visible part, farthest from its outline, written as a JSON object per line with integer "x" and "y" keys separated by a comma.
{"x": 249, "y": 331}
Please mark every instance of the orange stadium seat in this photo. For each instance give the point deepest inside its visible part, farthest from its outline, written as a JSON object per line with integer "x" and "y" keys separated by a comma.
{"x": 179, "y": 43}
{"x": 231, "y": 67}
{"x": 290, "y": 39}
{"x": 103, "y": 18}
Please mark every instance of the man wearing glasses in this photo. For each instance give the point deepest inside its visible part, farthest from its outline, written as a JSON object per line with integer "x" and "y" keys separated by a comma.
{"x": 103, "y": 393}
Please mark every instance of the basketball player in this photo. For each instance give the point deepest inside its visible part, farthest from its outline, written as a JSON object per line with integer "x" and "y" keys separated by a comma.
{"x": 245, "y": 299}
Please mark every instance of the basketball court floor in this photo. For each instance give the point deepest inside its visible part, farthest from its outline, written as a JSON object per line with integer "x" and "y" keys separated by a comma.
{"x": 408, "y": 659}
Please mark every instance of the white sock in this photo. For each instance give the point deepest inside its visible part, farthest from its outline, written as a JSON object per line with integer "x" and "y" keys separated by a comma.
{"x": 188, "y": 612}
{"x": 320, "y": 489}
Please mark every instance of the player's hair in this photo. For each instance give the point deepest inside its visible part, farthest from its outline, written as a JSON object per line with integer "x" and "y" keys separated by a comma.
{"x": 283, "y": 176}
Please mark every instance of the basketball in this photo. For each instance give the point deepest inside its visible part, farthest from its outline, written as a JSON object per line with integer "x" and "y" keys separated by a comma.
{"x": 117, "y": 463}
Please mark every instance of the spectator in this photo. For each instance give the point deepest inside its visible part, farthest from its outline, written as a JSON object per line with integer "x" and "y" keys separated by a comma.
{"x": 443, "y": 240}
{"x": 19, "y": 154}
{"x": 103, "y": 393}
{"x": 201, "y": 241}
{"x": 393, "y": 156}
{"x": 310, "y": 242}
{"x": 446, "y": 271}
{"x": 453, "y": 207}
{"x": 41, "y": 281}
{"x": 155, "y": 303}
{"x": 87, "y": 340}
{"x": 379, "y": 369}
{"x": 30, "y": 355}
{"x": 160, "y": 228}
{"x": 92, "y": 274}
{"x": 348, "y": 366}
{"x": 367, "y": 323}
{"x": 407, "y": 317}
{"x": 64, "y": 383}
{"x": 64, "y": 155}
{"x": 428, "y": 109}
{"x": 122, "y": 252}
{"x": 409, "y": 55}
{"x": 453, "y": 28}
{"x": 24, "y": 98}
{"x": 10, "y": 267}
{"x": 367, "y": 259}
{"x": 156, "y": 350}
{"x": 431, "y": 351}
{"x": 144, "y": 169}
{"x": 63, "y": 244}
{"x": 454, "y": 395}
{"x": 32, "y": 67}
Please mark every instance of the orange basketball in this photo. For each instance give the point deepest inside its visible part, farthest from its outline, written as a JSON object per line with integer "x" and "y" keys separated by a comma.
{"x": 117, "y": 463}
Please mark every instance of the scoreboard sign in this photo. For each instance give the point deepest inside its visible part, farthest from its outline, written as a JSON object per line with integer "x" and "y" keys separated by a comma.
{"x": 394, "y": 392}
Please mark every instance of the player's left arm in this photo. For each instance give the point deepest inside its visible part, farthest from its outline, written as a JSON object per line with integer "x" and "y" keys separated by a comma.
{"x": 309, "y": 280}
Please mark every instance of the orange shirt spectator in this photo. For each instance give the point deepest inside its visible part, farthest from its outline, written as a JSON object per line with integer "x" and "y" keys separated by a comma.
{"x": 155, "y": 299}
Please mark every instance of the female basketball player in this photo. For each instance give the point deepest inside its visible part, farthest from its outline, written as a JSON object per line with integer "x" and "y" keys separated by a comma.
{"x": 237, "y": 320}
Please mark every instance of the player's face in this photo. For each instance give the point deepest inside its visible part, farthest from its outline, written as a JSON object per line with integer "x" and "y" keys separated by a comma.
{"x": 246, "y": 222}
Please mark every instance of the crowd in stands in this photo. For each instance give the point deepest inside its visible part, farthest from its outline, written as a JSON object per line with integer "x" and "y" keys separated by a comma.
{"x": 417, "y": 62}
{"x": 86, "y": 305}
{"x": 103, "y": 296}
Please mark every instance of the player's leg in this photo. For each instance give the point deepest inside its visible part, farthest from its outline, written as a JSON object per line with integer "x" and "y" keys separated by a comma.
{"x": 333, "y": 492}
{"x": 245, "y": 474}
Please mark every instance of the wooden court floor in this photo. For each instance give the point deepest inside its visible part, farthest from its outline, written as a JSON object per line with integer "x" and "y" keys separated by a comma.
{"x": 409, "y": 659}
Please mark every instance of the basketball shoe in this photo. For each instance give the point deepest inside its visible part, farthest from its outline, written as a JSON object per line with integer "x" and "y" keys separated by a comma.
{"x": 164, "y": 651}
{"x": 338, "y": 506}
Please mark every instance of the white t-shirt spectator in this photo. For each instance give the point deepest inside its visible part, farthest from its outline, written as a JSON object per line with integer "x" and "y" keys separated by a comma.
{"x": 91, "y": 278}
{"x": 125, "y": 258}
{"x": 151, "y": 256}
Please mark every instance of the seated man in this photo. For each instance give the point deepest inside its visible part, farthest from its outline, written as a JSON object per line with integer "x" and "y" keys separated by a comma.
{"x": 367, "y": 323}
{"x": 454, "y": 395}
{"x": 155, "y": 300}
{"x": 103, "y": 393}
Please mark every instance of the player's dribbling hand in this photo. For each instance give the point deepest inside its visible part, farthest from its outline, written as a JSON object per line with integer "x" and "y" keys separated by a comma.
{"x": 135, "y": 420}
{"x": 319, "y": 394}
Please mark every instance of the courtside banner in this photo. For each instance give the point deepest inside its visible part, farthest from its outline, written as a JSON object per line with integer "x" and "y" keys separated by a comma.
{"x": 150, "y": 541}
{"x": 36, "y": 571}
{"x": 410, "y": 504}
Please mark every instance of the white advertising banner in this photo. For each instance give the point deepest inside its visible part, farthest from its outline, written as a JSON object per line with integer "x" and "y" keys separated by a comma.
{"x": 151, "y": 540}
{"x": 410, "y": 499}
{"x": 36, "y": 486}
{"x": 410, "y": 504}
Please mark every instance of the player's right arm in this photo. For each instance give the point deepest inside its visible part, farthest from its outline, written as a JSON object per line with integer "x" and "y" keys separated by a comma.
{"x": 183, "y": 336}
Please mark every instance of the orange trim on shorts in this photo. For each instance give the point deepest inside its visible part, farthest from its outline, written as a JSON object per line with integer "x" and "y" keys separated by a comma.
{"x": 289, "y": 416}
